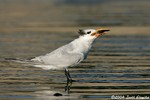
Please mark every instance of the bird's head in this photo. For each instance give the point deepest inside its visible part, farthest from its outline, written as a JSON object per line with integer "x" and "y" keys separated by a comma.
{"x": 92, "y": 34}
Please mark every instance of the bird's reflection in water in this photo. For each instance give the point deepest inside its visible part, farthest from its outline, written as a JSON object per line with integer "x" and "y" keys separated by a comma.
{"x": 67, "y": 89}
{"x": 54, "y": 94}
{"x": 68, "y": 86}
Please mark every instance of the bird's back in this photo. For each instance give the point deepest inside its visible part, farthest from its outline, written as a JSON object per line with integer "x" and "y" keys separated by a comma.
{"x": 61, "y": 57}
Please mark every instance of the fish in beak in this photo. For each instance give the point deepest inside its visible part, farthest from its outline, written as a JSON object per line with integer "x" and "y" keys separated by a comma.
{"x": 100, "y": 32}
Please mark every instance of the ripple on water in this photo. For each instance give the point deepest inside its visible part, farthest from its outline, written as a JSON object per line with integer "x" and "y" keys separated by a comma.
{"x": 116, "y": 65}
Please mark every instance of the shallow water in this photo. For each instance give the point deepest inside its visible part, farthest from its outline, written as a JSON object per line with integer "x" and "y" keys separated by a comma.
{"x": 117, "y": 65}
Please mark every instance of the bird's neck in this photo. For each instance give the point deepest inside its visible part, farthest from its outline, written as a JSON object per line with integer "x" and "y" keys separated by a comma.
{"x": 82, "y": 45}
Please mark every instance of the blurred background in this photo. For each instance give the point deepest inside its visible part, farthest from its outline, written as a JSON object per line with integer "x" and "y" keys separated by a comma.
{"x": 118, "y": 63}
{"x": 40, "y": 13}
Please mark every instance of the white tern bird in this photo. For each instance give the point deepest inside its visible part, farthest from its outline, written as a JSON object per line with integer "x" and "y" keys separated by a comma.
{"x": 70, "y": 54}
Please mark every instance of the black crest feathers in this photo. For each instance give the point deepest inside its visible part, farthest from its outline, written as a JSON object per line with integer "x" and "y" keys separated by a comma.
{"x": 81, "y": 32}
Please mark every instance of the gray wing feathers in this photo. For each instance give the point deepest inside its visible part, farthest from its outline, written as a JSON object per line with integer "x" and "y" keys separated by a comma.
{"x": 61, "y": 57}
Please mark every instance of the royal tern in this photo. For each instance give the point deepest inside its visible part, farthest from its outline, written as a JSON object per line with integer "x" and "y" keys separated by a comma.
{"x": 70, "y": 54}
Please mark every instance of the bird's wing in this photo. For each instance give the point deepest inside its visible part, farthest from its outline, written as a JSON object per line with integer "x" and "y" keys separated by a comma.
{"x": 61, "y": 57}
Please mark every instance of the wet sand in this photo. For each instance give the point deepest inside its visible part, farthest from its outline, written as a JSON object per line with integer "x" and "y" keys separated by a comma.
{"x": 120, "y": 30}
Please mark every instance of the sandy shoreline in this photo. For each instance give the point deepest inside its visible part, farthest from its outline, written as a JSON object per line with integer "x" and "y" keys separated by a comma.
{"x": 114, "y": 29}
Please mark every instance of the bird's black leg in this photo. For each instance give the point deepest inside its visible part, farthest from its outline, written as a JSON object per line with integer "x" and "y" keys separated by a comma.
{"x": 68, "y": 75}
{"x": 69, "y": 81}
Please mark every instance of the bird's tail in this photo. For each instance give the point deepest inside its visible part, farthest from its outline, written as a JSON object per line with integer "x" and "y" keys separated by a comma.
{"x": 31, "y": 62}
{"x": 18, "y": 60}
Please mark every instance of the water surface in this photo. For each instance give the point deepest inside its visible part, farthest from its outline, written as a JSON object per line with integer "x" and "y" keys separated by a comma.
{"x": 116, "y": 65}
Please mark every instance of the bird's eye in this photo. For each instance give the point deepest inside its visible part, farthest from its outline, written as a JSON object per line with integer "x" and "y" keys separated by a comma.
{"x": 89, "y": 32}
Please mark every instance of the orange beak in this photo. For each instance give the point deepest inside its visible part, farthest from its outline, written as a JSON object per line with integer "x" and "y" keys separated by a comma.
{"x": 100, "y": 32}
